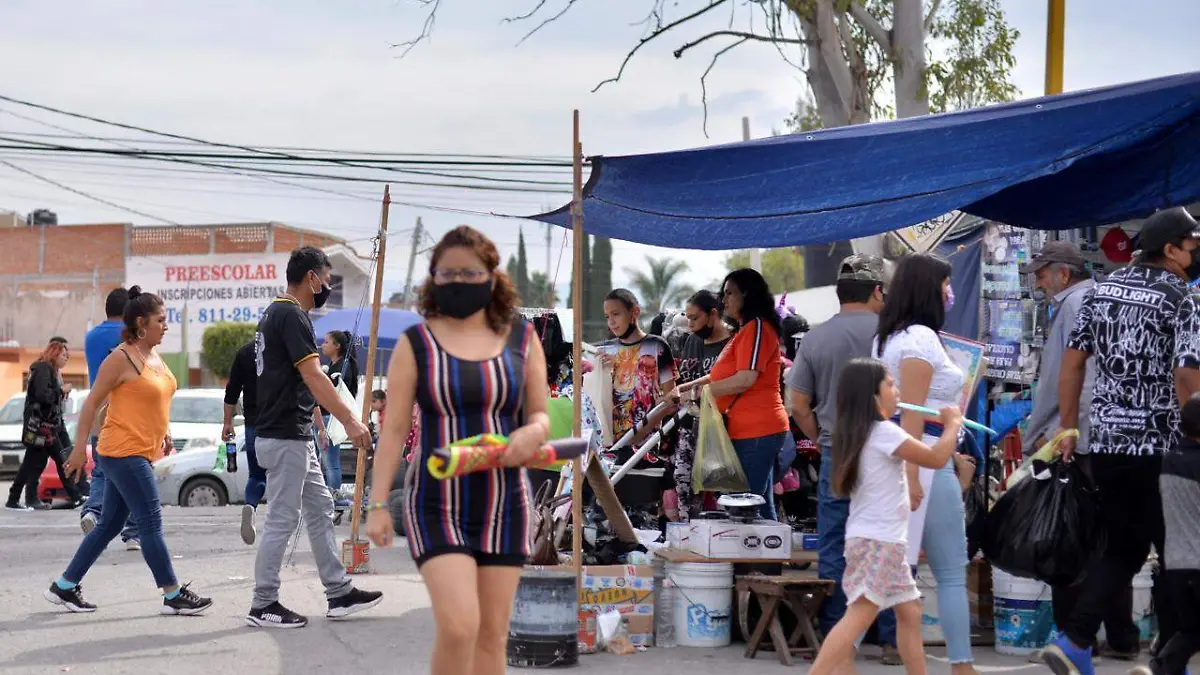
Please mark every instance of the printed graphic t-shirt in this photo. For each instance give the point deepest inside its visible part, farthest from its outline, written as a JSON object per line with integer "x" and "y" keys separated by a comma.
{"x": 879, "y": 507}
{"x": 285, "y": 339}
{"x": 697, "y": 358}
{"x": 639, "y": 372}
{"x": 1140, "y": 325}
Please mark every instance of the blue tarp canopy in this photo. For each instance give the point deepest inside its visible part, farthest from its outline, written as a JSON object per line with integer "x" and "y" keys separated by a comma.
{"x": 1084, "y": 158}
{"x": 392, "y": 324}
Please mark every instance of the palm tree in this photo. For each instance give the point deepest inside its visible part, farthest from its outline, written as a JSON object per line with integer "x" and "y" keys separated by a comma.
{"x": 659, "y": 288}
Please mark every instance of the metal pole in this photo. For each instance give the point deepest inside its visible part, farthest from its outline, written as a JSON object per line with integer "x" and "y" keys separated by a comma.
{"x": 577, "y": 355}
{"x": 1056, "y": 22}
{"x": 756, "y": 252}
{"x": 412, "y": 263}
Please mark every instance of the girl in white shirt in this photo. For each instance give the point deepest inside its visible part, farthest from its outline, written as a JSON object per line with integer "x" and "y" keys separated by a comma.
{"x": 869, "y": 452}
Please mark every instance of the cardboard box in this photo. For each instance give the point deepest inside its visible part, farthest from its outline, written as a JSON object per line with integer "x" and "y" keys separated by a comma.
{"x": 764, "y": 539}
{"x": 628, "y": 589}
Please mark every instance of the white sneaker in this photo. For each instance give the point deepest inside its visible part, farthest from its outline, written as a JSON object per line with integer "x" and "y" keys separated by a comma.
{"x": 88, "y": 522}
{"x": 249, "y": 533}
{"x": 133, "y": 545}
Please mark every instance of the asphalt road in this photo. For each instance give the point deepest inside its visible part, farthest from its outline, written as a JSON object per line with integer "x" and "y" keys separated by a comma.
{"x": 127, "y": 635}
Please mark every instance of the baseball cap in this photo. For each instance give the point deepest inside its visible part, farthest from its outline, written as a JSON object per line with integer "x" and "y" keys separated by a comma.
{"x": 1167, "y": 227}
{"x": 863, "y": 267}
{"x": 1054, "y": 252}
{"x": 1117, "y": 245}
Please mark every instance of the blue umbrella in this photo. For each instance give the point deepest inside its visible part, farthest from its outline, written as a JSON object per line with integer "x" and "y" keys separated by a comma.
{"x": 392, "y": 324}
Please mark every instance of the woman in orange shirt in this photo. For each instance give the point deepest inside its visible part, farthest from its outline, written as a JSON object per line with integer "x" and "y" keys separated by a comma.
{"x": 745, "y": 382}
{"x": 138, "y": 388}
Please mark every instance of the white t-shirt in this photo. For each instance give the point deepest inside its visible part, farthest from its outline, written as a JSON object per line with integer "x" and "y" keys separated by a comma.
{"x": 879, "y": 507}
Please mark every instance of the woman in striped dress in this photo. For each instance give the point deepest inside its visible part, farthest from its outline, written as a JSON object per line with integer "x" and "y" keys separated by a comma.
{"x": 473, "y": 367}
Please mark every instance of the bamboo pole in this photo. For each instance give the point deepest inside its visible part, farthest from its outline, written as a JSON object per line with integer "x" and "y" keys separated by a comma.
{"x": 1056, "y": 22}
{"x": 577, "y": 236}
{"x": 360, "y": 470}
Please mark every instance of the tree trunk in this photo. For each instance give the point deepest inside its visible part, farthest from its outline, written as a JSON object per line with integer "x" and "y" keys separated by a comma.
{"x": 908, "y": 66}
{"x": 829, "y": 75}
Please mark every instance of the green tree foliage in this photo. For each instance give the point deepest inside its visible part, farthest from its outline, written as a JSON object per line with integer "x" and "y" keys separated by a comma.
{"x": 783, "y": 268}
{"x": 979, "y": 57}
{"x": 659, "y": 286}
{"x": 542, "y": 290}
{"x": 522, "y": 280}
{"x": 221, "y": 342}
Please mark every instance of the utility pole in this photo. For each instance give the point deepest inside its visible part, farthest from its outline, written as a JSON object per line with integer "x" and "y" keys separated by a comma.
{"x": 1056, "y": 22}
{"x": 412, "y": 263}
{"x": 755, "y": 253}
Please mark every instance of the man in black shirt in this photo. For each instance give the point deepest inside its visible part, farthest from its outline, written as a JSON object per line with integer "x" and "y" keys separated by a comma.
{"x": 1142, "y": 327}
{"x": 289, "y": 384}
{"x": 243, "y": 383}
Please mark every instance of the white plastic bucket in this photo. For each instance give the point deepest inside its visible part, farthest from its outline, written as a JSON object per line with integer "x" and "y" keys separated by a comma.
{"x": 1024, "y": 615}
{"x": 703, "y": 594}
{"x": 931, "y": 627}
{"x": 1143, "y": 606}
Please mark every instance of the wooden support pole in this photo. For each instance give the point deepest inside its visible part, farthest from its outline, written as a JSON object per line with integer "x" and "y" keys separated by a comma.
{"x": 1056, "y": 22}
{"x": 577, "y": 236}
{"x": 360, "y": 469}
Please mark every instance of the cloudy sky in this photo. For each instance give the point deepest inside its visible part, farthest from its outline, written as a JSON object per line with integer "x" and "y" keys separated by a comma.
{"x": 315, "y": 73}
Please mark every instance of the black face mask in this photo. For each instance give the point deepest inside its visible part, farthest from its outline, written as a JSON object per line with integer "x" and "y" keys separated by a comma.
{"x": 704, "y": 333}
{"x": 1193, "y": 270}
{"x": 628, "y": 331}
{"x": 322, "y": 296}
{"x": 459, "y": 300}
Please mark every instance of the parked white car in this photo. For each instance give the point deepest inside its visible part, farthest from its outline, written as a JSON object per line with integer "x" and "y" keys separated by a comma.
{"x": 11, "y": 422}
{"x": 187, "y": 477}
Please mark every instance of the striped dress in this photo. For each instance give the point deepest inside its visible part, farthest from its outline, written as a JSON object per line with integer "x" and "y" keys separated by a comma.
{"x": 486, "y": 512}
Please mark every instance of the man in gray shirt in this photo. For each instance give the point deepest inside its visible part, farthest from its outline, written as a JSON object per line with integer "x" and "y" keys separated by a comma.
{"x": 812, "y": 382}
{"x": 1060, "y": 272}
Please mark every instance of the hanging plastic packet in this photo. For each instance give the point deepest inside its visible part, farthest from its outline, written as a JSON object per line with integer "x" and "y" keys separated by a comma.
{"x": 716, "y": 467}
{"x": 1044, "y": 454}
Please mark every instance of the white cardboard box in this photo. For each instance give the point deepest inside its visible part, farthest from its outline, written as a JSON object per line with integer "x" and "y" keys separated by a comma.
{"x": 763, "y": 539}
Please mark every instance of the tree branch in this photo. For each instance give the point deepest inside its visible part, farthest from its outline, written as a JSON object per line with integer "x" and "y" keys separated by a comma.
{"x": 530, "y": 13}
{"x": 426, "y": 28}
{"x": 703, "y": 78}
{"x": 932, "y": 15}
{"x": 875, "y": 29}
{"x": 546, "y": 22}
{"x": 654, "y": 34}
{"x": 738, "y": 34}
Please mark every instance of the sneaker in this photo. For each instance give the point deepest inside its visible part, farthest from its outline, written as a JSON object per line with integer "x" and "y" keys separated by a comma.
{"x": 343, "y": 503}
{"x": 890, "y": 656}
{"x": 248, "y": 531}
{"x": 1035, "y": 656}
{"x": 12, "y": 506}
{"x": 352, "y": 603}
{"x": 133, "y": 545}
{"x": 71, "y": 598}
{"x": 1064, "y": 658}
{"x": 88, "y": 522}
{"x": 37, "y": 506}
{"x": 186, "y": 603}
{"x": 275, "y": 615}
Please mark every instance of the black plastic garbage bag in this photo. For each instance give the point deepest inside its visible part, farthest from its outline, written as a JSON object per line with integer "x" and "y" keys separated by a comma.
{"x": 1046, "y": 527}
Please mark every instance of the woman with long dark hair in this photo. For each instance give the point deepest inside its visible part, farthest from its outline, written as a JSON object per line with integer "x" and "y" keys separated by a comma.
{"x": 42, "y": 434}
{"x": 704, "y": 344}
{"x": 909, "y": 345}
{"x": 343, "y": 368}
{"x": 138, "y": 387}
{"x": 475, "y": 367}
{"x": 745, "y": 381}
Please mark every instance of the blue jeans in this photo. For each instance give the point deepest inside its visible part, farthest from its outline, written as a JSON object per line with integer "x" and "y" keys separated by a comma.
{"x": 256, "y": 483}
{"x": 832, "y": 513}
{"x": 132, "y": 491}
{"x": 331, "y": 457}
{"x": 95, "y": 500}
{"x": 945, "y": 544}
{"x": 757, "y": 456}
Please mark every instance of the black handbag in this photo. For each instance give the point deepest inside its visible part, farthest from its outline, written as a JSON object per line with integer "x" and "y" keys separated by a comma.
{"x": 37, "y": 433}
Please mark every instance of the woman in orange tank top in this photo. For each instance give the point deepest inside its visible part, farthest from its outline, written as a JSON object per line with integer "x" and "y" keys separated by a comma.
{"x": 138, "y": 388}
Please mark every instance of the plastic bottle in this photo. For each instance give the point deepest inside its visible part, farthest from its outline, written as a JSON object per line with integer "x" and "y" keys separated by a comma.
{"x": 231, "y": 455}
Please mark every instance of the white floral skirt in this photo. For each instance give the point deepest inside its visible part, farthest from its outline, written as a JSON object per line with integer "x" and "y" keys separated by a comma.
{"x": 879, "y": 572}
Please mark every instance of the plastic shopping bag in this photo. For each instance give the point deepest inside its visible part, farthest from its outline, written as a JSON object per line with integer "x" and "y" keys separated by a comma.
{"x": 1046, "y": 527}
{"x": 716, "y": 467}
{"x": 334, "y": 430}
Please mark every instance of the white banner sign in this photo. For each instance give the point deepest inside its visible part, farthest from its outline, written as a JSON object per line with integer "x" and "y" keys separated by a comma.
{"x": 924, "y": 237}
{"x": 210, "y": 289}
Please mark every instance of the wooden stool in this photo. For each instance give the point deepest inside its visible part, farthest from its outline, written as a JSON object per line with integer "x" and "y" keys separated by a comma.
{"x": 803, "y": 594}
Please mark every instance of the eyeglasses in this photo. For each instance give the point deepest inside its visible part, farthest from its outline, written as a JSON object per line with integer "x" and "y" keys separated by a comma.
{"x": 467, "y": 275}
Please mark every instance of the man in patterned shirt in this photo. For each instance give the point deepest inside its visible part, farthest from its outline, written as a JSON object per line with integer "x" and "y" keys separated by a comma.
{"x": 1142, "y": 326}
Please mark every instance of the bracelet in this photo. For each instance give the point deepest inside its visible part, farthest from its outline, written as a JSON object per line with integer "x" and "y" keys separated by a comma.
{"x": 377, "y": 506}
